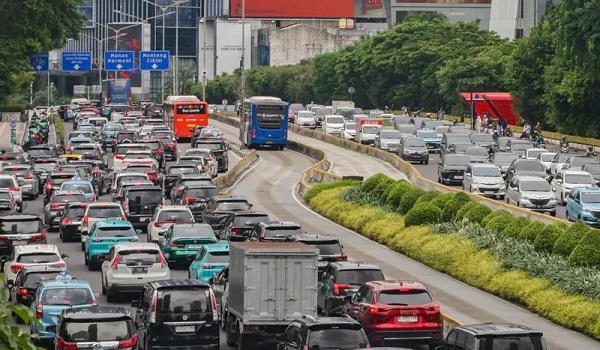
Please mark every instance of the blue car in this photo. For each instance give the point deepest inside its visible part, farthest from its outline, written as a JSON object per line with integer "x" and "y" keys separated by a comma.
{"x": 80, "y": 185}
{"x": 210, "y": 260}
{"x": 51, "y": 298}
{"x": 103, "y": 235}
{"x": 583, "y": 204}
{"x": 431, "y": 138}
{"x": 109, "y": 132}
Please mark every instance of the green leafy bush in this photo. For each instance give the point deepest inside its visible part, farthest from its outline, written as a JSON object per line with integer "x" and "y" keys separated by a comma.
{"x": 429, "y": 196}
{"x": 318, "y": 188}
{"x": 371, "y": 183}
{"x": 59, "y": 127}
{"x": 454, "y": 205}
{"x": 399, "y": 189}
{"x": 500, "y": 222}
{"x": 545, "y": 240}
{"x": 477, "y": 213}
{"x": 409, "y": 199}
{"x": 389, "y": 189}
{"x": 514, "y": 229}
{"x": 587, "y": 252}
{"x": 493, "y": 215}
{"x": 442, "y": 200}
{"x": 565, "y": 244}
{"x": 422, "y": 214}
{"x": 460, "y": 214}
{"x": 531, "y": 231}
{"x": 382, "y": 186}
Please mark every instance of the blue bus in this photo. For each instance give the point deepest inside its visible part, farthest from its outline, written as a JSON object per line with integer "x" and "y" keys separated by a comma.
{"x": 264, "y": 122}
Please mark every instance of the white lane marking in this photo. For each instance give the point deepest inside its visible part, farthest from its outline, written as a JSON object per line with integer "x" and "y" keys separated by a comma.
{"x": 242, "y": 175}
{"x": 235, "y": 154}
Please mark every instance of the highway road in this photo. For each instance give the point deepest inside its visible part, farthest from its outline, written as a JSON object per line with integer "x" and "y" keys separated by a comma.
{"x": 270, "y": 187}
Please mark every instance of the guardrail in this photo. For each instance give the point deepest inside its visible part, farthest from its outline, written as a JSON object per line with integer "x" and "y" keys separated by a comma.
{"x": 227, "y": 179}
{"x": 449, "y": 323}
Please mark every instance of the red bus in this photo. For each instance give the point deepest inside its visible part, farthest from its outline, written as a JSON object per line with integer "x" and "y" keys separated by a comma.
{"x": 184, "y": 113}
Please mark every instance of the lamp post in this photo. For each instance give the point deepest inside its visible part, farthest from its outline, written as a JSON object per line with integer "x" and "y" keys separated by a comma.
{"x": 472, "y": 110}
{"x": 243, "y": 92}
{"x": 100, "y": 50}
{"x": 204, "y": 52}
{"x": 50, "y": 91}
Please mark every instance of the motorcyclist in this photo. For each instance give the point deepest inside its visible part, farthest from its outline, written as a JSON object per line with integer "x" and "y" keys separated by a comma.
{"x": 564, "y": 144}
{"x": 538, "y": 139}
{"x": 526, "y": 131}
{"x": 64, "y": 274}
{"x": 590, "y": 152}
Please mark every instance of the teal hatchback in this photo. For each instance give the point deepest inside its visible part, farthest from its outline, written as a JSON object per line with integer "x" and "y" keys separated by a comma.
{"x": 210, "y": 260}
{"x": 103, "y": 235}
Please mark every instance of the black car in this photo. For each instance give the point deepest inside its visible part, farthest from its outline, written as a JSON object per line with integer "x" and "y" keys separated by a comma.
{"x": 184, "y": 180}
{"x": 55, "y": 207}
{"x": 169, "y": 146}
{"x": 196, "y": 197}
{"x": 274, "y": 231}
{"x": 451, "y": 168}
{"x": 106, "y": 327}
{"x": 340, "y": 333}
{"x": 341, "y": 279}
{"x": 413, "y": 149}
{"x": 54, "y": 182}
{"x": 70, "y": 223}
{"x": 594, "y": 170}
{"x": 139, "y": 203}
{"x": 100, "y": 174}
{"x": 177, "y": 313}
{"x": 329, "y": 247}
{"x": 42, "y": 151}
{"x": 20, "y": 229}
{"x": 23, "y": 288}
{"x": 219, "y": 148}
{"x": 43, "y": 167}
{"x": 493, "y": 336}
{"x": 85, "y": 171}
{"x": 238, "y": 225}
{"x": 500, "y": 144}
{"x": 526, "y": 167}
{"x": 219, "y": 207}
{"x": 157, "y": 150}
{"x": 174, "y": 171}
{"x": 124, "y": 136}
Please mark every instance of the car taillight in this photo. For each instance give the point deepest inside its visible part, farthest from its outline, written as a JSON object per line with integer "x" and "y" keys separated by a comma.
{"x": 14, "y": 189}
{"x": 236, "y": 230}
{"x": 48, "y": 185}
{"x": 69, "y": 149}
{"x": 96, "y": 171}
{"x": 55, "y": 206}
{"x": 39, "y": 310}
{"x": 152, "y": 318}
{"x": 66, "y": 221}
{"x": 29, "y": 176}
{"x": 341, "y": 258}
{"x": 85, "y": 220}
{"x": 116, "y": 156}
{"x": 115, "y": 262}
{"x": 126, "y": 206}
{"x": 163, "y": 261}
{"x": 213, "y": 303}
{"x": 158, "y": 151}
{"x": 159, "y": 223}
{"x": 173, "y": 244}
{"x": 130, "y": 344}
{"x": 337, "y": 287}
{"x": 23, "y": 291}
{"x": 171, "y": 146}
{"x": 61, "y": 344}
{"x": 39, "y": 237}
{"x": 92, "y": 198}
{"x": 189, "y": 200}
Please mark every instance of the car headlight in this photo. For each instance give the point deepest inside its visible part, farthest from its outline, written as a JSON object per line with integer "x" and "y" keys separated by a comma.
{"x": 587, "y": 210}
{"x": 424, "y": 152}
{"x": 524, "y": 197}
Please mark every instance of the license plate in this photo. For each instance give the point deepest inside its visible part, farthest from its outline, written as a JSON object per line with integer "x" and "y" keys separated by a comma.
{"x": 145, "y": 219}
{"x": 458, "y": 177}
{"x": 407, "y": 319}
{"x": 139, "y": 270}
{"x": 323, "y": 263}
{"x": 430, "y": 146}
{"x": 269, "y": 142}
{"x": 20, "y": 242}
{"x": 185, "y": 329}
{"x": 489, "y": 192}
{"x": 194, "y": 246}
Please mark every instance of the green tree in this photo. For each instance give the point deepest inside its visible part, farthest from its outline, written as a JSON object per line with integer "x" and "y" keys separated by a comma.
{"x": 11, "y": 336}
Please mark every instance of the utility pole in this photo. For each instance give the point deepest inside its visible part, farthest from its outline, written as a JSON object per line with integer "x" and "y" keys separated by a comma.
{"x": 243, "y": 55}
{"x": 204, "y": 52}
{"x": 176, "y": 75}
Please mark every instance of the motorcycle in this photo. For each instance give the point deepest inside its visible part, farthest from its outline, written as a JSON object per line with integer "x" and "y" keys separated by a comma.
{"x": 564, "y": 148}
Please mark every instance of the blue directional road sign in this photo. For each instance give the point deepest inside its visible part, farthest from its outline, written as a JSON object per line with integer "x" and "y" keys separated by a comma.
{"x": 154, "y": 60}
{"x": 39, "y": 62}
{"x": 76, "y": 61}
{"x": 119, "y": 60}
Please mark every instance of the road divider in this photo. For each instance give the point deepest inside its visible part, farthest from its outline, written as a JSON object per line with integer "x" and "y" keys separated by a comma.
{"x": 227, "y": 179}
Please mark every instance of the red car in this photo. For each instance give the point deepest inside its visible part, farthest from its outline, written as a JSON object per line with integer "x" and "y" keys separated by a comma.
{"x": 397, "y": 313}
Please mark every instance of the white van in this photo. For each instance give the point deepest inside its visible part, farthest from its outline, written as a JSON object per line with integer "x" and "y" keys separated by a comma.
{"x": 80, "y": 101}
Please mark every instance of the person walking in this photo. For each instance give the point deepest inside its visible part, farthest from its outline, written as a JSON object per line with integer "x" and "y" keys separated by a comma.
{"x": 478, "y": 123}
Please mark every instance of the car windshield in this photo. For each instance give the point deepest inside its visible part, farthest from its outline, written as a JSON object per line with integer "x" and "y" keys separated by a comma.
{"x": 335, "y": 120}
{"x": 218, "y": 257}
{"x": 533, "y": 153}
{"x": 359, "y": 276}
{"x": 33, "y": 279}
{"x": 184, "y": 231}
{"x": 579, "y": 179}
{"x": 515, "y": 342}
{"x": 336, "y": 338}
{"x": 249, "y": 220}
{"x": 206, "y": 192}
{"x": 427, "y": 134}
{"x": 457, "y": 160}
{"x": 122, "y": 136}
{"x": 185, "y": 300}
{"x": 370, "y": 129}
{"x": 75, "y": 213}
{"x": 44, "y": 167}
{"x": 547, "y": 157}
{"x": 486, "y": 172}
{"x": 138, "y": 155}
{"x": 283, "y": 231}
{"x": 305, "y": 114}
{"x": 326, "y": 247}
{"x": 237, "y": 205}
{"x": 458, "y": 139}
{"x": 153, "y": 146}
{"x": 414, "y": 142}
{"x": 529, "y": 166}
{"x": 7, "y": 182}
{"x": 350, "y": 126}
{"x": 123, "y": 150}
{"x": 104, "y": 212}
{"x": 69, "y": 198}
{"x": 504, "y": 159}
{"x": 476, "y": 151}
{"x": 397, "y": 297}
{"x": 144, "y": 196}
{"x": 482, "y": 138}
{"x": 211, "y": 145}
{"x": 390, "y": 134}
{"x": 116, "y": 231}
{"x": 133, "y": 257}
{"x": 39, "y": 152}
{"x": 580, "y": 161}
{"x": 535, "y": 186}
{"x": 191, "y": 182}
{"x": 176, "y": 170}
{"x": 140, "y": 168}
{"x": 175, "y": 216}
{"x": 590, "y": 197}
{"x": 132, "y": 178}
{"x": 562, "y": 157}
{"x": 16, "y": 171}
{"x": 85, "y": 188}
{"x": 13, "y": 227}
{"x": 112, "y": 127}
{"x": 521, "y": 146}
{"x": 38, "y": 258}
{"x": 66, "y": 296}
{"x": 96, "y": 331}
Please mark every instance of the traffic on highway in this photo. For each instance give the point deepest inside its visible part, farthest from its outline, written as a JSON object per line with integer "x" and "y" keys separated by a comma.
{"x": 122, "y": 240}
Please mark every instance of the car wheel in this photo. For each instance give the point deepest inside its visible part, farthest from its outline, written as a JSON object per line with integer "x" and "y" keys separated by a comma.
{"x": 553, "y": 214}
{"x": 223, "y": 319}
{"x": 230, "y": 334}
{"x": 86, "y": 262}
{"x": 82, "y": 246}
{"x": 567, "y": 216}
{"x": 110, "y": 297}
{"x": 103, "y": 288}
{"x": 427, "y": 162}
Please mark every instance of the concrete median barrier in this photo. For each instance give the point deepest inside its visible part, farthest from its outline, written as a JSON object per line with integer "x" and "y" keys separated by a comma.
{"x": 229, "y": 178}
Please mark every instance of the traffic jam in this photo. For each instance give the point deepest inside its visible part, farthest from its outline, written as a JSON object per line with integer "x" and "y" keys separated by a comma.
{"x": 158, "y": 248}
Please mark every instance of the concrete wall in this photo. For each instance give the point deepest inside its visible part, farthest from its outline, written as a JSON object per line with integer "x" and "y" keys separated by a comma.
{"x": 454, "y": 12}
{"x": 300, "y": 40}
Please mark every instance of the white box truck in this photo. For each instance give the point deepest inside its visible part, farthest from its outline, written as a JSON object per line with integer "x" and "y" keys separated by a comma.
{"x": 338, "y": 106}
{"x": 270, "y": 285}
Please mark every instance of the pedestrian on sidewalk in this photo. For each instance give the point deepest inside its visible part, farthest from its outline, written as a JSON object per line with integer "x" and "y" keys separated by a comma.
{"x": 478, "y": 123}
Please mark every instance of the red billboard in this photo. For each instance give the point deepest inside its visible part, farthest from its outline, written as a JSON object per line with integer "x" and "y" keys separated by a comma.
{"x": 293, "y": 9}
{"x": 449, "y": 2}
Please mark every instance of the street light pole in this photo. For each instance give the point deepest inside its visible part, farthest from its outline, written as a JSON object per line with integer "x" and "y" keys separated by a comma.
{"x": 472, "y": 111}
{"x": 204, "y": 52}
{"x": 243, "y": 87}
{"x": 162, "y": 73}
{"x": 176, "y": 75}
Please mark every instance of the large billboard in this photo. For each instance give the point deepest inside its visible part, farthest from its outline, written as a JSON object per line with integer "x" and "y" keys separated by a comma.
{"x": 126, "y": 37}
{"x": 369, "y": 9}
{"x": 293, "y": 9}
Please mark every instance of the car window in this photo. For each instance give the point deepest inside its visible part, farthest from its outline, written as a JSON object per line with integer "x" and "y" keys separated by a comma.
{"x": 278, "y": 232}
{"x": 67, "y": 296}
{"x": 206, "y": 192}
{"x": 249, "y": 220}
{"x": 69, "y": 198}
{"x": 96, "y": 331}
{"x": 108, "y": 212}
{"x": 13, "y": 227}
{"x": 133, "y": 257}
{"x": 182, "y": 170}
{"x": 227, "y": 206}
{"x": 336, "y": 338}
{"x": 327, "y": 248}
{"x": 75, "y": 213}
{"x": 144, "y": 196}
{"x": 175, "y": 216}
{"x": 218, "y": 257}
{"x": 32, "y": 280}
{"x": 85, "y": 188}
{"x": 579, "y": 179}
{"x": 187, "y": 300}
{"x": 38, "y": 258}
{"x": 359, "y": 276}
{"x": 7, "y": 182}
{"x": 183, "y": 231}
{"x": 397, "y": 297}
{"x": 124, "y": 231}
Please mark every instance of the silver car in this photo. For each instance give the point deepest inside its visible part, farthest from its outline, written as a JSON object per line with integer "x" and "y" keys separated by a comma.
{"x": 306, "y": 119}
{"x": 566, "y": 180}
{"x": 531, "y": 192}
{"x": 477, "y": 154}
{"x": 28, "y": 180}
{"x": 388, "y": 140}
{"x": 484, "y": 179}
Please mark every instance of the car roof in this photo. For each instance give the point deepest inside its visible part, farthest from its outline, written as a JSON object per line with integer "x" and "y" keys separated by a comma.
{"x": 177, "y": 283}
{"x": 113, "y": 223}
{"x": 313, "y": 237}
{"x": 104, "y": 204}
{"x": 96, "y": 312}
{"x": 64, "y": 283}
{"x": 354, "y": 265}
{"x": 498, "y": 329}
{"x": 396, "y": 284}
{"x": 222, "y": 246}
{"x": 16, "y": 217}
{"x": 31, "y": 248}
{"x": 483, "y": 165}
{"x": 574, "y": 172}
{"x": 279, "y": 223}
{"x": 135, "y": 246}
{"x": 314, "y": 321}
{"x": 223, "y": 198}
{"x": 175, "y": 207}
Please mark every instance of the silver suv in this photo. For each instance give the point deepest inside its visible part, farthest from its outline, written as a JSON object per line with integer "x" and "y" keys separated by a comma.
{"x": 531, "y": 192}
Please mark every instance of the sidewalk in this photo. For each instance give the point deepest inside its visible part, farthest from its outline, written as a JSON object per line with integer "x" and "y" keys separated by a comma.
{"x": 5, "y": 134}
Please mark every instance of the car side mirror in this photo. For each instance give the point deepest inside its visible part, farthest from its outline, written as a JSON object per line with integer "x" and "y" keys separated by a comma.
{"x": 138, "y": 231}
{"x": 102, "y": 257}
{"x": 135, "y": 303}
{"x": 559, "y": 181}
{"x": 3, "y": 258}
{"x": 64, "y": 256}
{"x": 10, "y": 282}
{"x": 51, "y": 329}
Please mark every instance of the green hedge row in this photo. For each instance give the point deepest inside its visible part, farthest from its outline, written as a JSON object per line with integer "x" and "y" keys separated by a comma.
{"x": 60, "y": 130}
{"x": 460, "y": 257}
{"x": 401, "y": 197}
{"x": 13, "y": 108}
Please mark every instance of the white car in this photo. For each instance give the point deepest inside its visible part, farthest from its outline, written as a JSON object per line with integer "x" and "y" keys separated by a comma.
{"x": 484, "y": 179}
{"x": 146, "y": 130}
{"x": 531, "y": 192}
{"x": 203, "y": 164}
{"x": 33, "y": 255}
{"x": 306, "y": 118}
{"x": 139, "y": 157}
{"x": 11, "y": 183}
{"x": 128, "y": 267}
{"x": 127, "y": 176}
{"x": 532, "y": 153}
{"x": 350, "y": 131}
{"x": 566, "y": 180}
{"x": 333, "y": 125}
{"x": 120, "y": 152}
{"x": 546, "y": 159}
{"x": 559, "y": 160}
{"x": 132, "y": 125}
{"x": 99, "y": 211}
{"x": 164, "y": 216}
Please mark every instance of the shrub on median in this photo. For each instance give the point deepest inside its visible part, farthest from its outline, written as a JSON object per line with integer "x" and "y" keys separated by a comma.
{"x": 409, "y": 199}
{"x": 422, "y": 214}
{"x": 460, "y": 214}
{"x": 428, "y": 197}
{"x": 371, "y": 183}
{"x": 545, "y": 240}
{"x": 400, "y": 188}
{"x": 453, "y": 206}
{"x": 318, "y": 188}
{"x": 477, "y": 213}
{"x": 493, "y": 215}
{"x": 442, "y": 200}
{"x": 565, "y": 244}
{"x": 516, "y": 226}
{"x": 381, "y": 188}
{"x": 587, "y": 252}
{"x": 531, "y": 231}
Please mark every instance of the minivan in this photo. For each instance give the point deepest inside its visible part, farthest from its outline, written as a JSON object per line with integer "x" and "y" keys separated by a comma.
{"x": 494, "y": 336}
